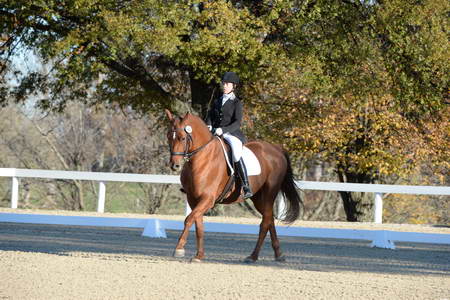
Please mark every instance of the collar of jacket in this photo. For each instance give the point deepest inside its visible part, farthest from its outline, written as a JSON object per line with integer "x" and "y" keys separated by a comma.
{"x": 226, "y": 97}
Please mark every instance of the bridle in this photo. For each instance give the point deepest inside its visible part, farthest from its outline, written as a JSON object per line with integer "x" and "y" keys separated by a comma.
{"x": 188, "y": 141}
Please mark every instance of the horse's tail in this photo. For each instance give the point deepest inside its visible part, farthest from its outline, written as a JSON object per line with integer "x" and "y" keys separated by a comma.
{"x": 292, "y": 199}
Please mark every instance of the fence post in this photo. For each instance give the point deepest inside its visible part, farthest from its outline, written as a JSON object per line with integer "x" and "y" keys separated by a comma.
{"x": 281, "y": 206}
{"x": 187, "y": 210}
{"x": 378, "y": 214}
{"x": 101, "y": 197}
{"x": 15, "y": 192}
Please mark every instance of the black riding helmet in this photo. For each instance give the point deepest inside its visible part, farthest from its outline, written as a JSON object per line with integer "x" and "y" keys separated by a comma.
{"x": 230, "y": 77}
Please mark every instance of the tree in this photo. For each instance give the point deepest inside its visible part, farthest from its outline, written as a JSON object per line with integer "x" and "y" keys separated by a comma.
{"x": 367, "y": 91}
{"x": 153, "y": 48}
{"x": 84, "y": 139}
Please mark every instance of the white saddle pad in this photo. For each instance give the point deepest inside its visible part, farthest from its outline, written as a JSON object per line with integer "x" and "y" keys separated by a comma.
{"x": 251, "y": 162}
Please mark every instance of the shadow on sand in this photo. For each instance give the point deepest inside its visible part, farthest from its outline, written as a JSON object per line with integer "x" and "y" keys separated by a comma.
{"x": 325, "y": 255}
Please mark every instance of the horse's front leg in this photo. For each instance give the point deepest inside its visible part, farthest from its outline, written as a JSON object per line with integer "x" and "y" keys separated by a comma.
{"x": 195, "y": 216}
{"x": 200, "y": 232}
{"x": 179, "y": 249}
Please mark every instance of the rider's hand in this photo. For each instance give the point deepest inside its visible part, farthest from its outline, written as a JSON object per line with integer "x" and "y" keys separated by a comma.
{"x": 218, "y": 131}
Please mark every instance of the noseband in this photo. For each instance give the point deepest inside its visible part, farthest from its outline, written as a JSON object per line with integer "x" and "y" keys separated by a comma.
{"x": 188, "y": 141}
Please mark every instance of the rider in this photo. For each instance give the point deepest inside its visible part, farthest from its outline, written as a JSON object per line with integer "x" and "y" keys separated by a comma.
{"x": 224, "y": 118}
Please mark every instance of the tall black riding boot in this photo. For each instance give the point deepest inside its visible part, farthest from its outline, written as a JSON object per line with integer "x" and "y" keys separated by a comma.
{"x": 244, "y": 177}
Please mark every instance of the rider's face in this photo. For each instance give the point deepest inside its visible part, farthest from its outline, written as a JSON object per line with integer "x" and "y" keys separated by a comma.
{"x": 227, "y": 87}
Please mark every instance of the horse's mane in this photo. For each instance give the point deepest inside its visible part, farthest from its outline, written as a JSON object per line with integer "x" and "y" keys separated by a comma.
{"x": 190, "y": 117}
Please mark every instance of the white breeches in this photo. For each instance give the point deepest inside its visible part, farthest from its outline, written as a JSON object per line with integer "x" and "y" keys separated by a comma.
{"x": 236, "y": 146}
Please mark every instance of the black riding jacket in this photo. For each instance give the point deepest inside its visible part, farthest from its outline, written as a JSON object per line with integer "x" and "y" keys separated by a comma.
{"x": 228, "y": 117}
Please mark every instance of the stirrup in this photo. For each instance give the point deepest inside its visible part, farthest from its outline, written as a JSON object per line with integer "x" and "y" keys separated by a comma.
{"x": 247, "y": 193}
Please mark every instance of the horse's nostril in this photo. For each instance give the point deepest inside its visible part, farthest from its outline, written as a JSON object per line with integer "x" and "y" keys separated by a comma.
{"x": 175, "y": 167}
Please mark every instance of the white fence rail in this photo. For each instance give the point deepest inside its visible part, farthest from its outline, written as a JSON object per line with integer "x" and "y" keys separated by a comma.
{"x": 102, "y": 178}
{"x": 156, "y": 228}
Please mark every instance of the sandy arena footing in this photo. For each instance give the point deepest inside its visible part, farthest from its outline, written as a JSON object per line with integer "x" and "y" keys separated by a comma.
{"x": 69, "y": 262}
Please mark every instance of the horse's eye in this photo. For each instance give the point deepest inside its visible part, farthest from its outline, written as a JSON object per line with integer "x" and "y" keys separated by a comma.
{"x": 183, "y": 138}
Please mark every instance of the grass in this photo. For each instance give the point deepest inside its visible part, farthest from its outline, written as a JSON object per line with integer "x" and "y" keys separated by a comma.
{"x": 120, "y": 197}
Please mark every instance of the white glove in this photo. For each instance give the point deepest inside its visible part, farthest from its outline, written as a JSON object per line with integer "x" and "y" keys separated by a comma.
{"x": 209, "y": 127}
{"x": 218, "y": 131}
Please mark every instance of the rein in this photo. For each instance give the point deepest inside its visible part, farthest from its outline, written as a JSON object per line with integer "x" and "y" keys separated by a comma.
{"x": 186, "y": 154}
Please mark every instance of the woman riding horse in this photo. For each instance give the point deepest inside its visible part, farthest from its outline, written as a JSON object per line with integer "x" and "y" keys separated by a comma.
{"x": 204, "y": 177}
{"x": 224, "y": 119}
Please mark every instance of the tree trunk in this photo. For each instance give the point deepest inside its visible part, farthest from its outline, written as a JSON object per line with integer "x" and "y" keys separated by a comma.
{"x": 358, "y": 207}
{"x": 202, "y": 95}
{"x": 157, "y": 196}
{"x": 79, "y": 196}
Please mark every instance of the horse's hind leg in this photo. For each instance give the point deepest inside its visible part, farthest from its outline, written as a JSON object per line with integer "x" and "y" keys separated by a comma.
{"x": 264, "y": 201}
{"x": 266, "y": 209}
{"x": 263, "y": 228}
{"x": 276, "y": 243}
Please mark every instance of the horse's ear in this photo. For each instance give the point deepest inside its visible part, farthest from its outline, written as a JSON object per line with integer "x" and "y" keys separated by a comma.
{"x": 169, "y": 115}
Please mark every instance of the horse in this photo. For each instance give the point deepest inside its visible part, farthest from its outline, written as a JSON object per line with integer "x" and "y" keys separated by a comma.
{"x": 205, "y": 174}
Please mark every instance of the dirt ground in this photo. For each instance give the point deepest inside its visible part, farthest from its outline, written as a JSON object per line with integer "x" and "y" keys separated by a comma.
{"x": 70, "y": 262}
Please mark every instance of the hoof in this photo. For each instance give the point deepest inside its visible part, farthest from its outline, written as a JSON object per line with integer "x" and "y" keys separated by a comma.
{"x": 179, "y": 253}
{"x": 249, "y": 260}
{"x": 281, "y": 258}
{"x": 196, "y": 260}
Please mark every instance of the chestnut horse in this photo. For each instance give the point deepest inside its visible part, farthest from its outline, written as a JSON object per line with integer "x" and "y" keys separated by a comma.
{"x": 205, "y": 175}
